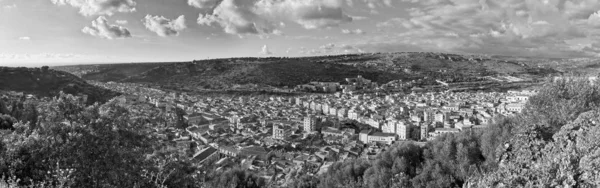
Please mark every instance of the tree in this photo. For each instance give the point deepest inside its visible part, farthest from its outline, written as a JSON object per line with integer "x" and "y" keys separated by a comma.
{"x": 3, "y": 107}
{"x": 7, "y": 122}
{"x": 45, "y": 69}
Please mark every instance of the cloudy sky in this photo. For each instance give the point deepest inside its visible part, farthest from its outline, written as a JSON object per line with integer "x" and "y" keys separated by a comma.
{"x": 35, "y": 32}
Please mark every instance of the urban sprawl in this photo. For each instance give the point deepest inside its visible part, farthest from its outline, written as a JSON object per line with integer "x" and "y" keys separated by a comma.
{"x": 309, "y": 132}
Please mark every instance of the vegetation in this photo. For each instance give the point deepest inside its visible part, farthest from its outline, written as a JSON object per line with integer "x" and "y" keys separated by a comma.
{"x": 251, "y": 72}
{"x": 48, "y": 83}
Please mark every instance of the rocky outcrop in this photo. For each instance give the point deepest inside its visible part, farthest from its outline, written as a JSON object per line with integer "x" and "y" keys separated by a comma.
{"x": 571, "y": 159}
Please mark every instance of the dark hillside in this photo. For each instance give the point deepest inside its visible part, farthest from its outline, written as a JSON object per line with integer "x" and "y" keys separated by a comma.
{"x": 275, "y": 71}
{"x": 47, "y": 83}
{"x": 108, "y": 72}
{"x": 218, "y": 74}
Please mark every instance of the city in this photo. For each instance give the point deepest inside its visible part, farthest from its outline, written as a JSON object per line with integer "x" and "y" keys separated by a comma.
{"x": 299, "y": 93}
{"x": 310, "y": 132}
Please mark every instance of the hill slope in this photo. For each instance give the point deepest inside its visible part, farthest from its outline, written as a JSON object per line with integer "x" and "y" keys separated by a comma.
{"x": 47, "y": 83}
{"x": 380, "y": 67}
{"x": 218, "y": 74}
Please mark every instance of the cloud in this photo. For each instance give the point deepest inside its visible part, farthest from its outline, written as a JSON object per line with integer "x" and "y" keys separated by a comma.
{"x": 264, "y": 16}
{"x": 164, "y": 27}
{"x": 373, "y": 4}
{"x": 237, "y": 17}
{"x": 101, "y": 28}
{"x": 13, "y": 6}
{"x": 99, "y": 7}
{"x": 353, "y": 32}
{"x": 122, "y": 22}
{"x": 24, "y": 38}
{"x": 359, "y": 18}
{"x": 203, "y": 4}
{"x": 509, "y": 27}
{"x": 265, "y": 51}
{"x": 311, "y": 14}
{"x": 329, "y": 46}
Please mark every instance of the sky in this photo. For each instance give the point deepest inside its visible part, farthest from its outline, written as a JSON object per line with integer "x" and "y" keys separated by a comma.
{"x": 53, "y": 32}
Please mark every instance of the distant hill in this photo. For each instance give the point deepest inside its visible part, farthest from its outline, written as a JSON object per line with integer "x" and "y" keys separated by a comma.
{"x": 379, "y": 67}
{"x": 48, "y": 83}
{"x": 112, "y": 72}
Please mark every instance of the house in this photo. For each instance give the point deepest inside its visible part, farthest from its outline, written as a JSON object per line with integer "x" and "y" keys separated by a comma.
{"x": 441, "y": 131}
{"x": 342, "y": 112}
{"x": 196, "y": 119}
{"x": 386, "y": 138}
{"x": 515, "y": 107}
{"x": 231, "y": 151}
{"x": 330, "y": 131}
{"x": 206, "y": 155}
{"x": 281, "y": 132}
{"x": 254, "y": 151}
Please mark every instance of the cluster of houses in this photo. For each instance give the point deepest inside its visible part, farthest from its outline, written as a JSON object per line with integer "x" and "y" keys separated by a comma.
{"x": 258, "y": 131}
{"x": 350, "y": 85}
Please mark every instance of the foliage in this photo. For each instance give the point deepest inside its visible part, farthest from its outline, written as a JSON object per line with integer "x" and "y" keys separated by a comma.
{"x": 561, "y": 101}
{"x": 235, "y": 177}
{"x": 50, "y": 83}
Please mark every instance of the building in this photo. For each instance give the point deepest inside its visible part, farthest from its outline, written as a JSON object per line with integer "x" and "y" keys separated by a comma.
{"x": 441, "y": 131}
{"x": 378, "y": 137}
{"x": 330, "y": 131}
{"x": 231, "y": 151}
{"x": 280, "y": 132}
{"x": 342, "y": 112}
{"x": 439, "y": 118}
{"x": 206, "y": 155}
{"x": 386, "y": 138}
{"x": 402, "y": 130}
{"x": 310, "y": 124}
{"x": 514, "y": 107}
{"x": 424, "y": 132}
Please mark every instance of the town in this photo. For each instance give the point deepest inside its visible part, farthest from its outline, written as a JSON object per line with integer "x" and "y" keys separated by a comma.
{"x": 309, "y": 132}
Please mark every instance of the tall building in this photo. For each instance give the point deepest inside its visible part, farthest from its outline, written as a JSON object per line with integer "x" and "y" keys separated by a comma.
{"x": 310, "y": 124}
{"x": 424, "y": 131}
{"x": 402, "y": 130}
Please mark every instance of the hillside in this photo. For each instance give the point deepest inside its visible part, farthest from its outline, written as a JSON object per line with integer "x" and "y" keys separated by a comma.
{"x": 105, "y": 73}
{"x": 48, "y": 83}
{"x": 219, "y": 74}
{"x": 379, "y": 67}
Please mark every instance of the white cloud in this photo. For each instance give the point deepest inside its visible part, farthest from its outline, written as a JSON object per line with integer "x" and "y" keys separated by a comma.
{"x": 329, "y": 46}
{"x": 13, "y": 6}
{"x": 265, "y": 16}
{"x": 99, "y": 7}
{"x": 101, "y": 28}
{"x": 353, "y": 32}
{"x": 203, "y": 4}
{"x": 508, "y": 27}
{"x": 311, "y": 14}
{"x": 55, "y": 56}
{"x": 237, "y": 17}
{"x": 122, "y": 22}
{"x": 594, "y": 19}
{"x": 359, "y": 18}
{"x": 24, "y": 38}
{"x": 165, "y": 27}
{"x": 265, "y": 51}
